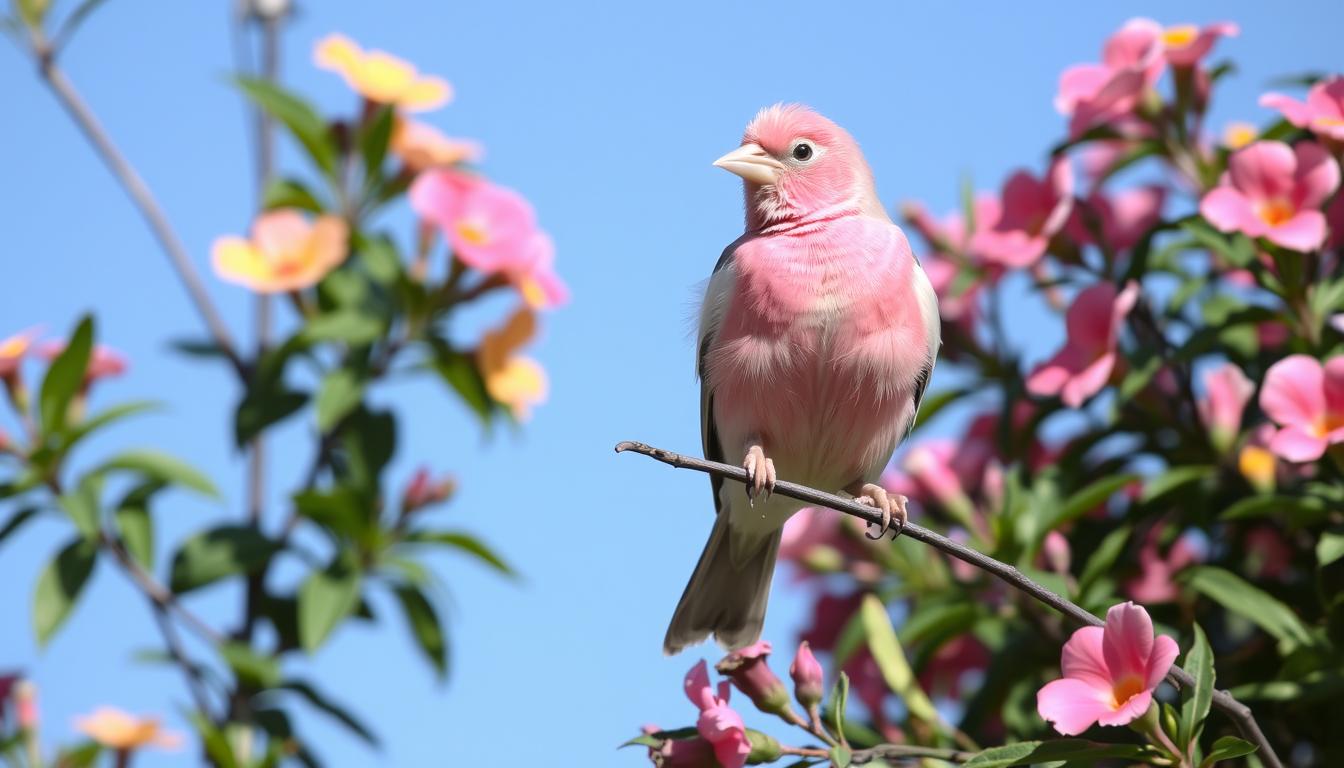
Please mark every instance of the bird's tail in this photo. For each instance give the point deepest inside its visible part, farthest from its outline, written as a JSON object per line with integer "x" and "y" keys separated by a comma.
{"x": 724, "y": 598}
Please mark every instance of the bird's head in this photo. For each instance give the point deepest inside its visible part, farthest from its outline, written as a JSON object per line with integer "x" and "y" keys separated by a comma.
{"x": 795, "y": 163}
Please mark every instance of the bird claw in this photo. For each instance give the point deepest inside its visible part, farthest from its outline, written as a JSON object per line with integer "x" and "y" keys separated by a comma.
{"x": 891, "y": 505}
{"x": 760, "y": 474}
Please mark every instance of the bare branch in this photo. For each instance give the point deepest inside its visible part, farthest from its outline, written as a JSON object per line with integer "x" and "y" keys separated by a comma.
{"x": 1239, "y": 713}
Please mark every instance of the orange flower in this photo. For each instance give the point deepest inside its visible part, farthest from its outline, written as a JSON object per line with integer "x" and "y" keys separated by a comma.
{"x": 124, "y": 732}
{"x": 518, "y": 382}
{"x": 286, "y": 252}
{"x": 1237, "y": 135}
{"x": 422, "y": 146}
{"x": 13, "y": 350}
{"x": 381, "y": 77}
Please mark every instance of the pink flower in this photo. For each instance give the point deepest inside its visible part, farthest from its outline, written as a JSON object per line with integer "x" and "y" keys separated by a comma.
{"x": 492, "y": 229}
{"x": 1275, "y": 191}
{"x": 1123, "y": 218}
{"x": 12, "y": 352}
{"x": 424, "y": 490}
{"x": 1322, "y": 113}
{"x": 1088, "y": 358}
{"x": 941, "y": 472}
{"x": 1306, "y": 400}
{"x": 1227, "y": 390}
{"x": 1109, "y": 673}
{"x": 1033, "y": 211}
{"x": 1268, "y": 557}
{"x": 694, "y": 752}
{"x": 104, "y": 362}
{"x": 718, "y": 723}
{"x": 808, "y": 682}
{"x": 1156, "y": 581}
{"x": 1186, "y": 44}
{"x": 947, "y": 669}
{"x": 748, "y": 669}
{"x": 1096, "y": 94}
{"x": 1057, "y": 552}
{"x": 815, "y": 540}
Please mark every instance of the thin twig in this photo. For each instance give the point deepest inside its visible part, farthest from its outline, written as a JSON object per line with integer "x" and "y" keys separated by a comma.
{"x": 900, "y": 751}
{"x": 178, "y": 652}
{"x": 156, "y": 592}
{"x": 1238, "y": 712}
{"x": 140, "y": 194}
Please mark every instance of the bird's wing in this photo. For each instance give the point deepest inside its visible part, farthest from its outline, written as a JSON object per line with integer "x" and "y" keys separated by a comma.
{"x": 717, "y": 295}
{"x": 928, "y": 309}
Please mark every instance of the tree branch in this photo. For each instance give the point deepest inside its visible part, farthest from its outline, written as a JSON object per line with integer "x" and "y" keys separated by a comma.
{"x": 1239, "y": 713}
{"x": 140, "y": 195}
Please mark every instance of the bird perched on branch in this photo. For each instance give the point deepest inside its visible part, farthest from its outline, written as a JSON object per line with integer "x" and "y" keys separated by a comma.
{"x": 818, "y": 333}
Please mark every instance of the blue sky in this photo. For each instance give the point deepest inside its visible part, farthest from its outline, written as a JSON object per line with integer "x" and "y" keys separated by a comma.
{"x": 607, "y": 119}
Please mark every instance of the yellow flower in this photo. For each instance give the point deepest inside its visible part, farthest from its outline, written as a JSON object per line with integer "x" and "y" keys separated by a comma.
{"x": 1237, "y": 135}
{"x": 518, "y": 382}
{"x": 422, "y": 146}
{"x": 381, "y": 77}
{"x": 13, "y": 350}
{"x": 1257, "y": 466}
{"x": 286, "y": 252}
{"x": 124, "y": 732}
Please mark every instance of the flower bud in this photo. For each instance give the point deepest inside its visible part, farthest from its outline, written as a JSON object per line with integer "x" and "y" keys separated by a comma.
{"x": 25, "y": 704}
{"x": 764, "y": 748}
{"x": 808, "y": 685}
{"x": 695, "y": 752}
{"x": 748, "y": 670}
{"x": 1057, "y": 554}
{"x": 424, "y": 491}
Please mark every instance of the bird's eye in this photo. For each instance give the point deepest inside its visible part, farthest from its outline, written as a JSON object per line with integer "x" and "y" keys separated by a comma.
{"x": 803, "y": 152}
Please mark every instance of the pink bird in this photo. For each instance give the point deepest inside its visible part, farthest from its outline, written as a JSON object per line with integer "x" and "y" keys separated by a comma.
{"x": 818, "y": 333}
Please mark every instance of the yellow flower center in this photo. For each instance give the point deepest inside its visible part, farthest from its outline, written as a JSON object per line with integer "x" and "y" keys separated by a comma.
{"x": 473, "y": 232}
{"x": 1256, "y": 465}
{"x": 1239, "y": 135}
{"x": 532, "y": 293}
{"x": 13, "y": 347}
{"x": 1125, "y": 689}
{"x": 1328, "y": 122}
{"x": 1327, "y": 424}
{"x": 1179, "y": 36}
{"x": 1276, "y": 212}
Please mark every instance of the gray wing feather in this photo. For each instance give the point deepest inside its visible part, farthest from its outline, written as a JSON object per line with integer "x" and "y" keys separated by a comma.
{"x": 710, "y": 317}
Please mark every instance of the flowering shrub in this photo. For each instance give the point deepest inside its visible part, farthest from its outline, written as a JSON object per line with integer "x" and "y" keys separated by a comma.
{"x": 1182, "y": 449}
{"x": 364, "y": 303}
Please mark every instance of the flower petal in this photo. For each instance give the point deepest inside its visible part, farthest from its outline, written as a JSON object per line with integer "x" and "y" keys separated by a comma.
{"x": 1072, "y": 705}
{"x": 1128, "y": 640}
{"x": 1083, "y": 659}
{"x": 1164, "y": 654}
{"x": 1295, "y": 443}
{"x": 1293, "y": 391}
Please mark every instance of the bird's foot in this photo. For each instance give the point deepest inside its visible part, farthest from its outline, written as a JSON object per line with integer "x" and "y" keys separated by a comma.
{"x": 760, "y": 473}
{"x": 891, "y": 505}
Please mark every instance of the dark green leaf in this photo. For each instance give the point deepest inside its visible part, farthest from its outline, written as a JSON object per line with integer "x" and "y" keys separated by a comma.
{"x": 373, "y": 142}
{"x": 341, "y": 509}
{"x": 104, "y": 418}
{"x": 1087, "y": 499}
{"x": 16, "y": 521}
{"x": 82, "y": 504}
{"x": 262, "y": 410}
{"x": 934, "y": 402}
{"x": 290, "y": 193}
{"x": 1315, "y": 686}
{"x": 1238, "y": 596}
{"x": 65, "y": 376}
{"x": 841, "y": 756}
{"x": 135, "y": 524}
{"x": 1227, "y": 748}
{"x": 1199, "y": 663}
{"x": 425, "y": 626}
{"x": 336, "y": 711}
{"x": 379, "y": 256}
{"x": 1033, "y": 752}
{"x": 325, "y": 599}
{"x": 219, "y": 553}
{"x": 162, "y": 468}
{"x": 296, "y": 115}
{"x": 460, "y": 372}
{"x": 216, "y": 743}
{"x": 340, "y": 393}
{"x": 1174, "y": 478}
{"x": 346, "y": 326}
{"x": 81, "y": 756}
{"x": 250, "y": 666}
{"x": 1299, "y": 510}
{"x": 369, "y": 441}
{"x": 74, "y": 21}
{"x": 464, "y": 542}
{"x": 59, "y": 585}
{"x": 1103, "y": 557}
{"x": 1236, "y": 250}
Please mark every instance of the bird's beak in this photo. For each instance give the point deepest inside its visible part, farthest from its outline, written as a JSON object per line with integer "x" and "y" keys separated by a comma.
{"x": 751, "y": 163}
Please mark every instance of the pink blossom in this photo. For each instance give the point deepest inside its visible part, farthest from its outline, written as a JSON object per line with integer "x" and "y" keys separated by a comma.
{"x": 1227, "y": 390}
{"x": 1275, "y": 191}
{"x": 1123, "y": 218}
{"x": 1186, "y": 44}
{"x": 1057, "y": 552}
{"x": 1109, "y": 673}
{"x": 694, "y": 752}
{"x": 750, "y": 672}
{"x": 1096, "y": 94}
{"x": 830, "y": 614}
{"x": 1306, "y": 400}
{"x": 492, "y": 229}
{"x": 1033, "y": 211}
{"x": 948, "y": 667}
{"x": 1268, "y": 556}
{"x": 1156, "y": 581}
{"x": 718, "y": 723}
{"x": 1083, "y": 366}
{"x": 1322, "y": 113}
{"x": 424, "y": 490}
{"x": 815, "y": 539}
{"x": 1334, "y": 219}
{"x": 808, "y": 682}
{"x": 958, "y": 300}
{"x": 930, "y": 465}
{"x": 104, "y": 362}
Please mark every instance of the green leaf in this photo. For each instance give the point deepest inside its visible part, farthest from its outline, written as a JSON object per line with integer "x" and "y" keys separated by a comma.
{"x": 65, "y": 376}
{"x": 460, "y": 372}
{"x": 59, "y": 587}
{"x": 891, "y": 660}
{"x": 107, "y": 417}
{"x": 163, "y": 468}
{"x": 1227, "y": 748}
{"x": 1238, "y": 596}
{"x": 1087, "y": 499}
{"x": 74, "y": 21}
{"x": 373, "y": 141}
{"x": 306, "y": 125}
{"x": 345, "y": 326}
{"x": 1033, "y": 752}
{"x": 249, "y": 665}
{"x": 1315, "y": 686}
{"x": 81, "y": 756}
{"x": 1329, "y": 548}
{"x": 325, "y": 599}
{"x": 379, "y": 256}
{"x": 934, "y": 402}
{"x": 290, "y": 193}
{"x": 218, "y": 553}
{"x": 82, "y": 505}
{"x": 341, "y": 392}
{"x": 1174, "y": 478}
{"x": 135, "y": 524}
{"x": 216, "y": 743}
{"x": 259, "y": 411}
{"x": 838, "y": 702}
{"x": 17, "y": 521}
{"x": 464, "y": 542}
{"x": 341, "y": 509}
{"x": 1237, "y": 250}
{"x": 335, "y": 711}
{"x": 1103, "y": 557}
{"x": 841, "y": 757}
{"x": 1199, "y": 664}
{"x": 425, "y": 626}
{"x": 1300, "y": 510}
